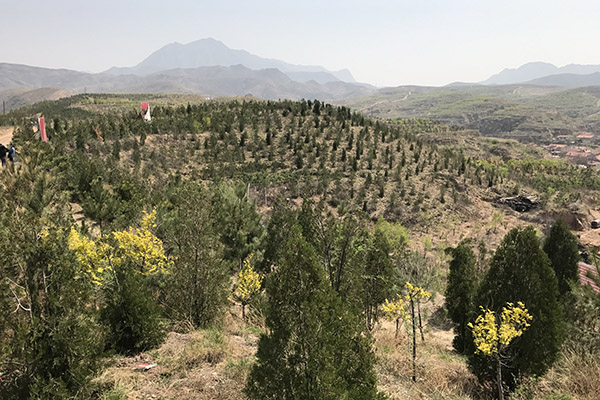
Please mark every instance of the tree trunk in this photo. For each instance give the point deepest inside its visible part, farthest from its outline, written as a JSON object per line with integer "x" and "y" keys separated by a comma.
{"x": 499, "y": 378}
{"x": 397, "y": 326}
{"x": 420, "y": 324}
{"x": 414, "y": 336}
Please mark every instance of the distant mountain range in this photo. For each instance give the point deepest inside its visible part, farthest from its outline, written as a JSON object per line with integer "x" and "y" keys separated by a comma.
{"x": 545, "y": 74}
{"x": 210, "y": 52}
{"x": 213, "y": 81}
{"x": 206, "y": 67}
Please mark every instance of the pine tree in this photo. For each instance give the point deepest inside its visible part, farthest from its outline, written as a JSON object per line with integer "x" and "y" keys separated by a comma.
{"x": 460, "y": 292}
{"x": 239, "y": 223}
{"x": 561, "y": 248}
{"x": 50, "y": 342}
{"x": 521, "y": 271}
{"x": 199, "y": 280}
{"x": 314, "y": 348}
{"x": 377, "y": 276}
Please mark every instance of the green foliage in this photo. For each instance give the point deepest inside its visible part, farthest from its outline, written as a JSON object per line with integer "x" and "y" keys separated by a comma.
{"x": 377, "y": 277}
{"x": 50, "y": 342}
{"x": 210, "y": 167}
{"x": 132, "y": 313}
{"x": 460, "y": 292}
{"x": 521, "y": 271}
{"x": 197, "y": 285}
{"x": 315, "y": 347}
{"x": 340, "y": 245}
{"x": 561, "y": 247}
{"x": 239, "y": 223}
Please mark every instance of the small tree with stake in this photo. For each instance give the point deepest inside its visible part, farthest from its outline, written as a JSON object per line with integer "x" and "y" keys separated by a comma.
{"x": 248, "y": 285}
{"x": 414, "y": 296}
{"x": 394, "y": 311}
{"x": 493, "y": 335}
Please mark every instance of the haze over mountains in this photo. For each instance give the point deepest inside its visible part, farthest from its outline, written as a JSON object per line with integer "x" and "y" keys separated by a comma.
{"x": 210, "y": 52}
{"x": 208, "y": 67}
{"x": 545, "y": 74}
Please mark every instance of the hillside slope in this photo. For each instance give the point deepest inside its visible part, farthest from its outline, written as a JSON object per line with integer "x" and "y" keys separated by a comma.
{"x": 441, "y": 183}
{"x": 529, "y": 113}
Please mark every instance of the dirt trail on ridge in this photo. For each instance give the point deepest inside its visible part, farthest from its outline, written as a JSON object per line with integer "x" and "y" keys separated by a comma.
{"x": 6, "y": 133}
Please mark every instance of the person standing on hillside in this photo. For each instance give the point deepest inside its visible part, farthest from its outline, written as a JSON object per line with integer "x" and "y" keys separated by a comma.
{"x": 3, "y": 153}
{"x": 11, "y": 153}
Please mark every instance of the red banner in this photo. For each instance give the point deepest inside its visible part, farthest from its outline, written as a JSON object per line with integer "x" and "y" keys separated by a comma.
{"x": 43, "y": 129}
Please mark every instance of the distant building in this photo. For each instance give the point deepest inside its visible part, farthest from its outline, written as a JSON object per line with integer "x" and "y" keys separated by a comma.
{"x": 585, "y": 135}
{"x": 585, "y": 271}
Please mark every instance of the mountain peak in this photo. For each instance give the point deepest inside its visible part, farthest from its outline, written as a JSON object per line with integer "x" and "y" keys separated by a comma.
{"x": 210, "y": 52}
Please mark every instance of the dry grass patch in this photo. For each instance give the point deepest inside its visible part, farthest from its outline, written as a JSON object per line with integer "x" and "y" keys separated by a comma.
{"x": 202, "y": 364}
{"x": 572, "y": 374}
{"x": 441, "y": 373}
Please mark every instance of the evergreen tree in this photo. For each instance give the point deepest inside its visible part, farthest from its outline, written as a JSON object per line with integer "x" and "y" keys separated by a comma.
{"x": 198, "y": 282}
{"x": 377, "y": 276}
{"x": 50, "y": 342}
{"x": 460, "y": 292}
{"x": 520, "y": 271}
{"x": 561, "y": 248}
{"x": 116, "y": 150}
{"x": 239, "y": 223}
{"x": 277, "y": 232}
{"x": 314, "y": 348}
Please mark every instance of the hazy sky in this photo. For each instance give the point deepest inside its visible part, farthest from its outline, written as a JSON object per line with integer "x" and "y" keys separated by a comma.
{"x": 383, "y": 42}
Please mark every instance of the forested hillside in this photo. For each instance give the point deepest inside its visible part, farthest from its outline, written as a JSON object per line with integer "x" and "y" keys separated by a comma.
{"x": 275, "y": 249}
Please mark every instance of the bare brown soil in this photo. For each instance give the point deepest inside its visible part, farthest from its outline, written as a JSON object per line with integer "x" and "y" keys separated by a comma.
{"x": 6, "y": 134}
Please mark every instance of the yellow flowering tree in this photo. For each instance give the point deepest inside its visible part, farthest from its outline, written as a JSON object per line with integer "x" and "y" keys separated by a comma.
{"x": 119, "y": 263}
{"x": 414, "y": 296}
{"x": 141, "y": 248}
{"x": 136, "y": 247}
{"x": 493, "y": 335}
{"x": 95, "y": 256}
{"x": 248, "y": 284}
{"x": 394, "y": 311}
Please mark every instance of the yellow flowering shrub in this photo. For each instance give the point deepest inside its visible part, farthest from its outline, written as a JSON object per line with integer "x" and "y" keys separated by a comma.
{"x": 394, "y": 310}
{"x": 142, "y": 248}
{"x": 415, "y": 292}
{"x": 249, "y": 282}
{"x": 490, "y": 335}
{"x": 137, "y": 246}
{"x": 94, "y": 255}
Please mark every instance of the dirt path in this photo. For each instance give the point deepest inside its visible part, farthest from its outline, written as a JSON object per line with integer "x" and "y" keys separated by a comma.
{"x": 385, "y": 101}
{"x": 6, "y": 133}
